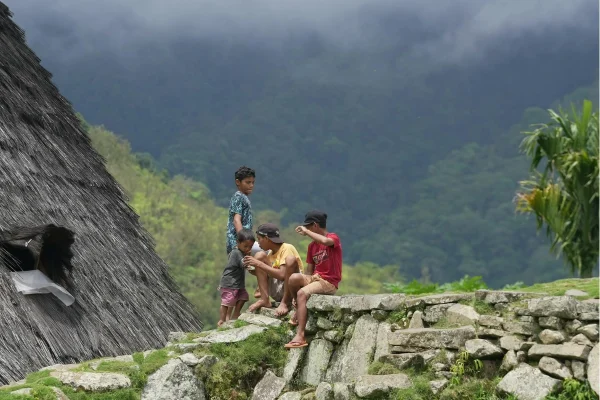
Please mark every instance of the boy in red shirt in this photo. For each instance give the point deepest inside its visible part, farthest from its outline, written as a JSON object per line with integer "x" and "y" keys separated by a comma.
{"x": 323, "y": 271}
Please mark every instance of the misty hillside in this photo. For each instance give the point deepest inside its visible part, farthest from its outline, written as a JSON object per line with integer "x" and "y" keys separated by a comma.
{"x": 401, "y": 119}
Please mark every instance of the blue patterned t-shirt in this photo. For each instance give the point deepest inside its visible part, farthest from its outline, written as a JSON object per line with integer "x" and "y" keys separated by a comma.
{"x": 240, "y": 204}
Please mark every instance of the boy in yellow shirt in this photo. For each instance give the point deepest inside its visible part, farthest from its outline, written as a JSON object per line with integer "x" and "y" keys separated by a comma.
{"x": 273, "y": 269}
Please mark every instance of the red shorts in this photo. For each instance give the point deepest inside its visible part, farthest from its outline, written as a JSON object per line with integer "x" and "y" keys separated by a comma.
{"x": 229, "y": 297}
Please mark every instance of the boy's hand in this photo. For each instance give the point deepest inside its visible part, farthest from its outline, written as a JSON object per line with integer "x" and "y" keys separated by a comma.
{"x": 301, "y": 230}
{"x": 249, "y": 260}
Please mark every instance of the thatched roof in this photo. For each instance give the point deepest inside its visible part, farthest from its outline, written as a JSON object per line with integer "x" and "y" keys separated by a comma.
{"x": 49, "y": 174}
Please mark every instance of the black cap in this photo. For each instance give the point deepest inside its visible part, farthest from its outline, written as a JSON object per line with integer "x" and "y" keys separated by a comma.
{"x": 315, "y": 216}
{"x": 271, "y": 231}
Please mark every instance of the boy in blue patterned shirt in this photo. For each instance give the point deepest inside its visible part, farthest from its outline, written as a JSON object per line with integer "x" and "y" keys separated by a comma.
{"x": 240, "y": 210}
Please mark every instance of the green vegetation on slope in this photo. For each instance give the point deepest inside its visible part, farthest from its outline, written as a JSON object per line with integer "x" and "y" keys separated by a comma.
{"x": 461, "y": 218}
{"x": 189, "y": 228}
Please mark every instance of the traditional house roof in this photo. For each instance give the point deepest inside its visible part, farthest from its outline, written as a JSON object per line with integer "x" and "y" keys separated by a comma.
{"x": 125, "y": 300}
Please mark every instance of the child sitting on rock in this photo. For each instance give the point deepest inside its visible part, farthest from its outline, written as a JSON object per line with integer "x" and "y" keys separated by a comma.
{"x": 233, "y": 281}
{"x": 323, "y": 272}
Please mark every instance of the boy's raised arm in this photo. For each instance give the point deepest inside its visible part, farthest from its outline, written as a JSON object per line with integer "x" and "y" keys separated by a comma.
{"x": 324, "y": 240}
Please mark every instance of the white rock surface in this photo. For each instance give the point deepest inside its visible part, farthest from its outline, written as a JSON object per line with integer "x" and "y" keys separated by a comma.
{"x": 528, "y": 383}
{"x": 175, "y": 380}
{"x": 269, "y": 387}
{"x": 380, "y": 385}
{"x": 230, "y": 335}
{"x": 92, "y": 381}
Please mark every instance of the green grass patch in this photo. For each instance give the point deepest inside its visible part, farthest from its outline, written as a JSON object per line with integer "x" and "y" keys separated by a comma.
{"x": 239, "y": 323}
{"x": 120, "y": 367}
{"x": 43, "y": 393}
{"x": 41, "y": 383}
{"x": 480, "y": 306}
{"x": 399, "y": 317}
{"x": 241, "y": 365}
{"x": 120, "y": 394}
{"x": 466, "y": 284}
{"x": 382, "y": 368}
{"x": 558, "y": 288}
{"x": 472, "y": 389}
{"x": 443, "y": 323}
{"x": 573, "y": 389}
{"x": 8, "y": 396}
{"x": 419, "y": 390}
{"x": 138, "y": 358}
{"x": 36, "y": 376}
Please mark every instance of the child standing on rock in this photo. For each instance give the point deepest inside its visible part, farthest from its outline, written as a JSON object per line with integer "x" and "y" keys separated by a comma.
{"x": 233, "y": 281}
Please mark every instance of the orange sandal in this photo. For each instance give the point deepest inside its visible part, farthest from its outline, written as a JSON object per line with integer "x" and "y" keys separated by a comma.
{"x": 296, "y": 345}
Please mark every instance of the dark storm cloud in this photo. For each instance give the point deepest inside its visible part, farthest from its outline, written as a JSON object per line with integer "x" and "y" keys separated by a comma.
{"x": 462, "y": 29}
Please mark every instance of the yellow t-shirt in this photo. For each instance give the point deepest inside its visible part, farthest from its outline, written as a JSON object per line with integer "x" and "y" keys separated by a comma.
{"x": 286, "y": 249}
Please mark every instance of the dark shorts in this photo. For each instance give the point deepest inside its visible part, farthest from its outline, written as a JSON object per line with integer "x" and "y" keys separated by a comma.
{"x": 229, "y": 297}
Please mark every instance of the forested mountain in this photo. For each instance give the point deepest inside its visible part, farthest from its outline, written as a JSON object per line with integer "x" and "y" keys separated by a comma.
{"x": 411, "y": 148}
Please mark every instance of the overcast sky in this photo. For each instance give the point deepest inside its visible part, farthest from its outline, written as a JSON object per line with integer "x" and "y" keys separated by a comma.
{"x": 463, "y": 29}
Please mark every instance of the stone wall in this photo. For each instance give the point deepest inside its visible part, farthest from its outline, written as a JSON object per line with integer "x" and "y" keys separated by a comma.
{"x": 532, "y": 341}
{"x": 535, "y": 341}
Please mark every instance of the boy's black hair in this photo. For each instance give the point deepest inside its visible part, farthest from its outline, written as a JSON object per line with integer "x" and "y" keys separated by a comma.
{"x": 244, "y": 172}
{"x": 245, "y": 234}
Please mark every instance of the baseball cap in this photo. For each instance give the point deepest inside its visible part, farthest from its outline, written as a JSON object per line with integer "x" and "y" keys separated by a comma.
{"x": 271, "y": 231}
{"x": 315, "y": 216}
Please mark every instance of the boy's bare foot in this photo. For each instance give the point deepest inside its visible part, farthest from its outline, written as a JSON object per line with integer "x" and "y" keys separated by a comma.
{"x": 282, "y": 310}
{"x": 297, "y": 341}
{"x": 257, "y": 293}
{"x": 221, "y": 322}
{"x": 258, "y": 305}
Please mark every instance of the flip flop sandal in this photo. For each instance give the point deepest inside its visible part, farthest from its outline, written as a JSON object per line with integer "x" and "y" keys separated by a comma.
{"x": 296, "y": 345}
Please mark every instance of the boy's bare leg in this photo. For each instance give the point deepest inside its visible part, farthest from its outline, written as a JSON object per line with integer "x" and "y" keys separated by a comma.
{"x": 291, "y": 267}
{"x": 296, "y": 282}
{"x": 263, "y": 282}
{"x": 238, "y": 309}
{"x": 257, "y": 293}
{"x": 229, "y": 310}
{"x": 301, "y": 316}
{"x": 222, "y": 315}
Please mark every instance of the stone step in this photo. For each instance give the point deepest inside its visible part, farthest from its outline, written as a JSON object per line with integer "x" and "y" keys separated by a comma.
{"x": 432, "y": 338}
{"x": 260, "y": 320}
{"x": 230, "y": 335}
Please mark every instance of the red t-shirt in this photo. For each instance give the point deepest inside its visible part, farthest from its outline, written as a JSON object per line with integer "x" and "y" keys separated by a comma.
{"x": 327, "y": 259}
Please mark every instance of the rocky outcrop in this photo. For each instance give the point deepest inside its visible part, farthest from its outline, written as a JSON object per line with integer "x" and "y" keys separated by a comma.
{"x": 557, "y": 335}
{"x": 269, "y": 388}
{"x": 593, "y": 369}
{"x": 377, "y": 386}
{"x": 92, "y": 381}
{"x": 431, "y": 338}
{"x": 230, "y": 335}
{"x": 175, "y": 380}
{"x": 528, "y": 383}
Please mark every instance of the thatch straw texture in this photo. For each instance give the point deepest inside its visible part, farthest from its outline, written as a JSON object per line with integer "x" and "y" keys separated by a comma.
{"x": 49, "y": 174}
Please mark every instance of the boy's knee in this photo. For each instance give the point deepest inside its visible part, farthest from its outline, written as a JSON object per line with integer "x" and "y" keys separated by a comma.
{"x": 301, "y": 296}
{"x": 296, "y": 279}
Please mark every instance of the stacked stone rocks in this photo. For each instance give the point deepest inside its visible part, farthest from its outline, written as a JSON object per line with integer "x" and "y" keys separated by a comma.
{"x": 535, "y": 340}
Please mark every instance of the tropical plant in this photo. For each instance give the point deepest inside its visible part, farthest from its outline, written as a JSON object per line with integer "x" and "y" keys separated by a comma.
{"x": 564, "y": 195}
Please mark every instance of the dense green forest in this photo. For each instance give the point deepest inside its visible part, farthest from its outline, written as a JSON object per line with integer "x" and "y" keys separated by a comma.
{"x": 189, "y": 228}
